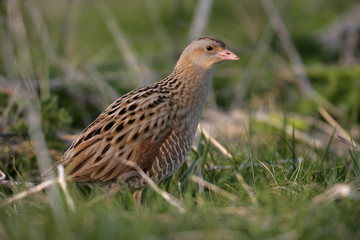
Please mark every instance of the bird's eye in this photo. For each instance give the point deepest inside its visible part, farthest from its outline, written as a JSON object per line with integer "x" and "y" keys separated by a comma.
{"x": 209, "y": 48}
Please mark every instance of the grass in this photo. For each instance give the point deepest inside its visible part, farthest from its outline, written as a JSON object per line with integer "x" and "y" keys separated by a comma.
{"x": 285, "y": 176}
{"x": 287, "y": 200}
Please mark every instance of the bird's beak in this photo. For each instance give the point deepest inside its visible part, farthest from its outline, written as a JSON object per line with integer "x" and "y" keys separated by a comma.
{"x": 227, "y": 55}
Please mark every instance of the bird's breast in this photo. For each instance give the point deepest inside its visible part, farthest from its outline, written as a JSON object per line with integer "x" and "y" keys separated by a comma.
{"x": 191, "y": 101}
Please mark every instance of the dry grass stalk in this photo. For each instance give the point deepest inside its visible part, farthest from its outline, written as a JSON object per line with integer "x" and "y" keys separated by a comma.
{"x": 139, "y": 70}
{"x": 247, "y": 189}
{"x": 107, "y": 91}
{"x": 60, "y": 180}
{"x": 20, "y": 69}
{"x": 342, "y": 133}
{"x": 350, "y": 144}
{"x": 30, "y": 191}
{"x": 265, "y": 118}
{"x": 280, "y": 28}
{"x": 63, "y": 185}
{"x": 14, "y": 184}
{"x": 158, "y": 24}
{"x": 212, "y": 187}
{"x": 297, "y": 64}
{"x": 168, "y": 197}
{"x": 337, "y": 191}
{"x": 222, "y": 149}
{"x": 2, "y": 175}
{"x": 200, "y": 19}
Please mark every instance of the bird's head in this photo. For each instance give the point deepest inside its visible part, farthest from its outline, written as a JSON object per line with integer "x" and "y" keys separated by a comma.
{"x": 204, "y": 52}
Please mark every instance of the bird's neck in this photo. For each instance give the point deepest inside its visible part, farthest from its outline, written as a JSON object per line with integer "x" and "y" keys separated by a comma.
{"x": 192, "y": 77}
{"x": 190, "y": 91}
{"x": 192, "y": 84}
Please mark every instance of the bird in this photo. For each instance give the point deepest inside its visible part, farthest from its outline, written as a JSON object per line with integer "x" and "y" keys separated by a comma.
{"x": 152, "y": 126}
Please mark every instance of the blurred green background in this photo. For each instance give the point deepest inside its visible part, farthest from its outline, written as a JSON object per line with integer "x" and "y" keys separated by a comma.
{"x": 66, "y": 61}
{"x": 88, "y": 53}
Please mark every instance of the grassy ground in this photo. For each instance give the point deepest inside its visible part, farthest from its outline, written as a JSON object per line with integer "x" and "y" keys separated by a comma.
{"x": 285, "y": 174}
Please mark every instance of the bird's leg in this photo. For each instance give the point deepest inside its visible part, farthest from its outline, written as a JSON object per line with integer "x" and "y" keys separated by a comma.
{"x": 137, "y": 197}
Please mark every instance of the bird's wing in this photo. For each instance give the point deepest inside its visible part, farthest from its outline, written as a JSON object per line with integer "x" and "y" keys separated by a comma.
{"x": 132, "y": 128}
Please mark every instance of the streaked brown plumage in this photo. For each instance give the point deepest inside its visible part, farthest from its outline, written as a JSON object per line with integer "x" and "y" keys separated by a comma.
{"x": 152, "y": 126}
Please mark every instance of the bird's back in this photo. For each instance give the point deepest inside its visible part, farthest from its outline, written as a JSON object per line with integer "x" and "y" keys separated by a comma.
{"x": 147, "y": 126}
